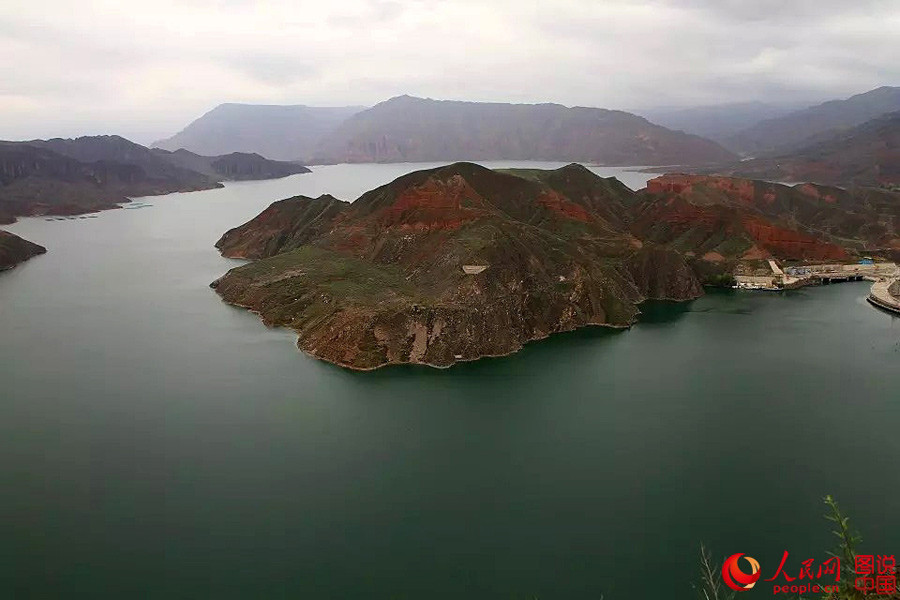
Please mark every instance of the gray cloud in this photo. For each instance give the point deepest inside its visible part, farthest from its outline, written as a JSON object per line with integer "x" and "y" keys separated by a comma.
{"x": 805, "y": 11}
{"x": 274, "y": 69}
{"x": 147, "y": 68}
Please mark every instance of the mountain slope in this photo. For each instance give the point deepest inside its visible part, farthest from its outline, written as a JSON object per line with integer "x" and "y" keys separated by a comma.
{"x": 717, "y": 122}
{"x": 417, "y": 129}
{"x": 606, "y": 196}
{"x": 795, "y": 129}
{"x": 444, "y": 265}
{"x": 87, "y": 174}
{"x": 725, "y": 218}
{"x": 237, "y": 166}
{"x": 114, "y": 149}
{"x": 14, "y": 250}
{"x": 283, "y": 226}
{"x": 868, "y": 154}
{"x": 277, "y": 132}
{"x": 36, "y": 180}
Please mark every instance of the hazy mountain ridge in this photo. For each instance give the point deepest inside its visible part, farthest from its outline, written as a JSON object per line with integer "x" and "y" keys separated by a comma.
{"x": 115, "y": 149}
{"x": 35, "y": 180}
{"x": 718, "y": 122}
{"x": 87, "y": 174}
{"x": 288, "y": 132}
{"x": 803, "y": 127}
{"x": 406, "y": 128}
{"x": 868, "y": 154}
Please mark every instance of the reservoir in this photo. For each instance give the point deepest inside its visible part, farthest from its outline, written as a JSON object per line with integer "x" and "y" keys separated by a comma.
{"x": 158, "y": 443}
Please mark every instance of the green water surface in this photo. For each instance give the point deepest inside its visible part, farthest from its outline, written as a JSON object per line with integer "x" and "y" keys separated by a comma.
{"x": 157, "y": 443}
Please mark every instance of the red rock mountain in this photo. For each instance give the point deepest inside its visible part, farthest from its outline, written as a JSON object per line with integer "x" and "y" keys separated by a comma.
{"x": 285, "y": 225}
{"x": 448, "y": 264}
{"x": 460, "y": 262}
{"x": 741, "y": 218}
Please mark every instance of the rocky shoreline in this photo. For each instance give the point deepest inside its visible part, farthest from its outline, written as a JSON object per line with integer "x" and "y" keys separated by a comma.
{"x": 326, "y": 353}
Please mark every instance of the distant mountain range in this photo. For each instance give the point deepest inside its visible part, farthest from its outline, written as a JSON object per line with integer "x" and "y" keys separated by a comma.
{"x": 718, "y": 122}
{"x": 409, "y": 129}
{"x": 278, "y": 132}
{"x": 842, "y": 142}
{"x": 868, "y": 154}
{"x": 802, "y": 128}
{"x": 416, "y": 129}
{"x": 73, "y": 176}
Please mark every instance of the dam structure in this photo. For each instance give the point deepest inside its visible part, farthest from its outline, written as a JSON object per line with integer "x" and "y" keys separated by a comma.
{"x": 886, "y": 295}
{"x": 800, "y": 276}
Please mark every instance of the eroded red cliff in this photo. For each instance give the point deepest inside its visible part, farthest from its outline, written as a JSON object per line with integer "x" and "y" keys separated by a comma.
{"x": 731, "y": 217}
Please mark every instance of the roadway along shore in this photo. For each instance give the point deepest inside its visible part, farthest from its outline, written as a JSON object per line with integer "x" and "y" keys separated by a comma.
{"x": 881, "y": 295}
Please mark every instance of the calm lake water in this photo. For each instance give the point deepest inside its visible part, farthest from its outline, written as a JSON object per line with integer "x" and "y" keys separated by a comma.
{"x": 157, "y": 443}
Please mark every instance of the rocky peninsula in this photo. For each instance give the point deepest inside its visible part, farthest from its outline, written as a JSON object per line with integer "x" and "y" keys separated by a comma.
{"x": 88, "y": 174}
{"x": 449, "y": 264}
{"x": 15, "y": 250}
{"x": 461, "y": 262}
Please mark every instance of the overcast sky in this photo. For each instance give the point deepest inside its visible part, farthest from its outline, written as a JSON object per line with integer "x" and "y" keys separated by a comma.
{"x": 146, "y": 69}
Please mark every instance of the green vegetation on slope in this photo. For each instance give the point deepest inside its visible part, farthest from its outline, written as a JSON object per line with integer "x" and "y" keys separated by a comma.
{"x": 449, "y": 264}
